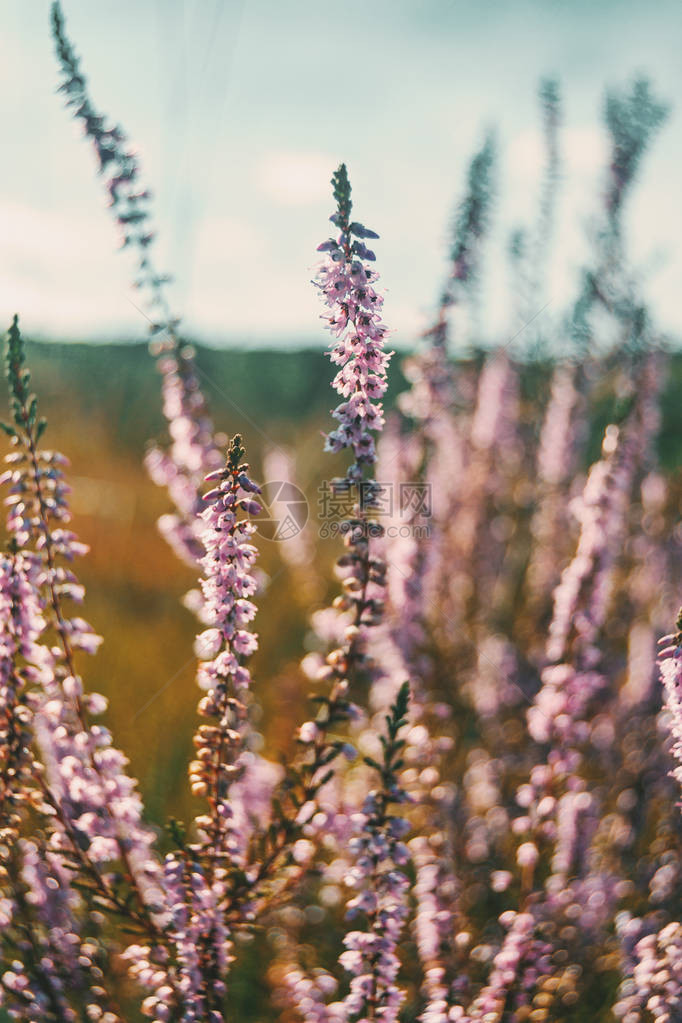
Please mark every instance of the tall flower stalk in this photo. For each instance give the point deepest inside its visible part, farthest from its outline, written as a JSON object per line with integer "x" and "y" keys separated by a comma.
{"x": 652, "y": 952}
{"x": 90, "y": 813}
{"x": 432, "y": 393}
{"x": 194, "y": 450}
{"x": 433, "y": 402}
{"x": 190, "y": 977}
{"x": 670, "y": 666}
{"x": 632, "y": 119}
{"x": 346, "y": 282}
{"x": 378, "y": 876}
{"x": 94, "y": 800}
{"x": 224, "y": 647}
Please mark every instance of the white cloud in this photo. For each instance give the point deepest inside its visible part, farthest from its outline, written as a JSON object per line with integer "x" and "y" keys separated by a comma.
{"x": 295, "y": 178}
{"x": 55, "y": 272}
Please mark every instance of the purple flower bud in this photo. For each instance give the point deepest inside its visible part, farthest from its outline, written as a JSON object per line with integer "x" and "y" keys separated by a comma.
{"x": 250, "y": 507}
{"x": 246, "y": 484}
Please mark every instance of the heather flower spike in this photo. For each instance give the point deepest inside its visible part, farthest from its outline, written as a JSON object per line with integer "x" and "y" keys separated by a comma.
{"x": 472, "y": 221}
{"x": 433, "y": 394}
{"x": 380, "y": 883}
{"x": 89, "y": 815}
{"x": 670, "y": 669}
{"x": 652, "y": 951}
{"x": 346, "y": 284}
{"x": 378, "y": 852}
{"x": 377, "y": 875}
{"x": 194, "y": 450}
{"x": 222, "y": 754}
{"x": 632, "y": 119}
{"x": 354, "y": 318}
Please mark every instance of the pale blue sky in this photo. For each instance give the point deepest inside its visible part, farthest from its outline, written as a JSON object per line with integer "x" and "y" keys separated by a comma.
{"x": 242, "y": 108}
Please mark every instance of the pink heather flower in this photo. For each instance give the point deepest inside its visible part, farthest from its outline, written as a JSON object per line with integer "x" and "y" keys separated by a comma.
{"x": 670, "y": 668}
{"x": 193, "y": 452}
{"x": 96, "y": 802}
{"x": 29, "y": 696}
{"x": 527, "y": 855}
{"x": 382, "y": 889}
{"x": 652, "y": 988}
{"x": 500, "y": 880}
{"x": 435, "y": 892}
{"x": 556, "y": 454}
{"x": 237, "y": 783}
{"x": 21, "y": 625}
{"x": 308, "y": 732}
{"x": 45, "y": 883}
{"x": 374, "y": 871}
{"x": 521, "y": 952}
{"x": 559, "y": 442}
{"x": 308, "y": 995}
{"x": 354, "y": 318}
{"x": 67, "y": 960}
{"x": 345, "y": 282}
{"x": 430, "y": 401}
{"x": 200, "y": 944}
{"x": 581, "y": 598}
{"x": 496, "y": 412}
